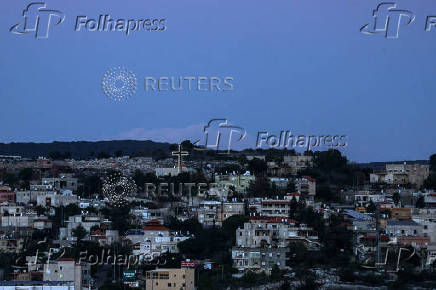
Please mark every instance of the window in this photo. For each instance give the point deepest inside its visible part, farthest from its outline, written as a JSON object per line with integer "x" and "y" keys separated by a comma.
{"x": 169, "y": 284}
{"x": 165, "y": 276}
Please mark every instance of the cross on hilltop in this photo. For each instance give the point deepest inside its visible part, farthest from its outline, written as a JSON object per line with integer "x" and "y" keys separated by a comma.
{"x": 179, "y": 154}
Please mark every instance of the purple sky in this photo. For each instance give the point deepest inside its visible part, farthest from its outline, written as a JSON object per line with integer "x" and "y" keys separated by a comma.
{"x": 297, "y": 65}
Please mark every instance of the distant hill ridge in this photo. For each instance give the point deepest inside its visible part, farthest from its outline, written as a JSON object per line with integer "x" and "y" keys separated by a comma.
{"x": 82, "y": 149}
{"x": 87, "y": 149}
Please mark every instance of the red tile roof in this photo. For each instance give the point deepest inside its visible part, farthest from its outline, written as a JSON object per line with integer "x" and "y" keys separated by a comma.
{"x": 383, "y": 238}
{"x": 66, "y": 259}
{"x": 97, "y": 233}
{"x": 154, "y": 225}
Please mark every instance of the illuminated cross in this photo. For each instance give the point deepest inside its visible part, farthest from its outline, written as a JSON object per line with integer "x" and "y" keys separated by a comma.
{"x": 179, "y": 154}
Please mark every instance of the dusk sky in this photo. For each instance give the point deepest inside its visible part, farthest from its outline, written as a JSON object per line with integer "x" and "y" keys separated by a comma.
{"x": 298, "y": 65}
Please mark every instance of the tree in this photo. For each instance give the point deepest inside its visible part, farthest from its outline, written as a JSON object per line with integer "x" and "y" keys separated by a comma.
{"x": 103, "y": 155}
{"x": 94, "y": 228}
{"x": 64, "y": 212}
{"x": 420, "y": 202}
{"x": 141, "y": 179}
{"x": 257, "y": 166}
{"x": 10, "y": 179}
{"x": 285, "y": 286}
{"x": 396, "y": 197}
{"x": 330, "y": 160}
{"x": 291, "y": 186}
{"x": 172, "y": 147}
{"x": 79, "y": 233}
{"x": 433, "y": 163}
{"x": 259, "y": 188}
{"x": 119, "y": 216}
{"x": 25, "y": 174}
{"x": 293, "y": 207}
{"x": 40, "y": 210}
{"x": 371, "y": 207}
{"x": 55, "y": 155}
{"x": 118, "y": 153}
{"x": 231, "y": 224}
{"x": 309, "y": 281}
{"x": 276, "y": 274}
{"x": 324, "y": 192}
{"x": 92, "y": 185}
{"x": 187, "y": 145}
{"x": 430, "y": 182}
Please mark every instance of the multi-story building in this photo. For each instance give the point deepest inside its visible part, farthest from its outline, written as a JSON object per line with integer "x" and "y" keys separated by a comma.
{"x": 259, "y": 259}
{"x": 64, "y": 181}
{"x": 212, "y": 213}
{"x": 427, "y": 218}
{"x": 56, "y": 200}
{"x": 67, "y": 269}
{"x": 430, "y": 199}
{"x": 171, "y": 278}
{"x": 275, "y": 207}
{"x": 264, "y": 242}
{"x": 9, "y": 245}
{"x": 27, "y": 196}
{"x": 42, "y": 223}
{"x": 37, "y": 285}
{"x": 239, "y": 182}
{"x": 87, "y": 222}
{"x": 400, "y": 213}
{"x": 104, "y": 237}
{"x": 148, "y": 214}
{"x": 399, "y": 174}
{"x": 363, "y": 198}
{"x": 280, "y": 182}
{"x": 6, "y": 194}
{"x": 306, "y": 186}
{"x": 298, "y": 163}
{"x": 404, "y": 228}
{"x": 154, "y": 239}
{"x": 21, "y": 221}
